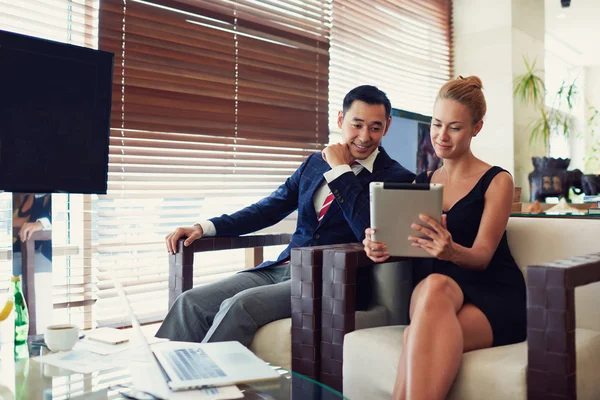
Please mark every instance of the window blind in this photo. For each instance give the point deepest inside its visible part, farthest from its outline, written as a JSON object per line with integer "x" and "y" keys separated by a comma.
{"x": 401, "y": 46}
{"x": 215, "y": 104}
{"x": 72, "y": 286}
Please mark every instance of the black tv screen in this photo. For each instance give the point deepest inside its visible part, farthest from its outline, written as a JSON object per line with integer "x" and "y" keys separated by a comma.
{"x": 55, "y": 102}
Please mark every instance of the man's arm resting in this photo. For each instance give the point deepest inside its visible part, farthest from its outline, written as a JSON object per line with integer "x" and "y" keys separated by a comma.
{"x": 208, "y": 228}
{"x": 181, "y": 260}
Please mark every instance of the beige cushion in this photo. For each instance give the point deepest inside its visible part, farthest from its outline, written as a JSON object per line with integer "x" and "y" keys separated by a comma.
{"x": 537, "y": 240}
{"x": 371, "y": 362}
{"x": 273, "y": 343}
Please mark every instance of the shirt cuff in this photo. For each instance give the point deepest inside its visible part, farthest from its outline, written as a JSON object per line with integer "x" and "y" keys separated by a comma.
{"x": 208, "y": 228}
{"x": 46, "y": 225}
{"x": 336, "y": 172}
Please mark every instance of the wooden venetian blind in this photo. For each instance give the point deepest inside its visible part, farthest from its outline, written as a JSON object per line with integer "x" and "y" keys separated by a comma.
{"x": 215, "y": 104}
{"x": 401, "y": 46}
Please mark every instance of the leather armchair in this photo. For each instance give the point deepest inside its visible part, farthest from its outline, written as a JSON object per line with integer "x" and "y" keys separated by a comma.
{"x": 272, "y": 342}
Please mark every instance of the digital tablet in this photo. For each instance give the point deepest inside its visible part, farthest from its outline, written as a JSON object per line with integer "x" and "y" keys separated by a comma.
{"x": 395, "y": 206}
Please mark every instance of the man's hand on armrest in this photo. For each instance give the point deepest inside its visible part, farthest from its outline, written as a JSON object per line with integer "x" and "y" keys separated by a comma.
{"x": 192, "y": 233}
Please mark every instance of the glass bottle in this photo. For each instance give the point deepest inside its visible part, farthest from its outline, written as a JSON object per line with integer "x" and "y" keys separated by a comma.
{"x": 21, "y": 320}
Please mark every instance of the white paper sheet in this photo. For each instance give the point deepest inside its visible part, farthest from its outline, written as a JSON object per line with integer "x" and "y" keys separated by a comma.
{"x": 220, "y": 393}
{"x": 147, "y": 377}
{"x": 77, "y": 360}
{"x": 106, "y": 349}
{"x": 84, "y": 361}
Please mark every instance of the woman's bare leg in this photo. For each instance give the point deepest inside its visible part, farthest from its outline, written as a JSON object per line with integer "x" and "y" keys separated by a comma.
{"x": 436, "y": 339}
{"x": 399, "y": 392}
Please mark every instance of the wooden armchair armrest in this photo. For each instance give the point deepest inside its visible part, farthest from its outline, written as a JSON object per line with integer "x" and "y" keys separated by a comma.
{"x": 181, "y": 264}
{"x": 340, "y": 269}
{"x": 307, "y": 289}
{"x": 551, "y": 365}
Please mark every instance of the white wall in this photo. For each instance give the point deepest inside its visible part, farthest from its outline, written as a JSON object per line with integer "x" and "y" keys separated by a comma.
{"x": 528, "y": 34}
{"x": 482, "y": 47}
{"x": 565, "y": 63}
{"x": 490, "y": 39}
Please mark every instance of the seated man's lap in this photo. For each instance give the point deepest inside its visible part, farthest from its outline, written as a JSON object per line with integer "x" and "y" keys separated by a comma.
{"x": 193, "y": 315}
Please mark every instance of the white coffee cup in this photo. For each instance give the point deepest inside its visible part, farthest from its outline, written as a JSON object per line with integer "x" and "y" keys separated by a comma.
{"x": 61, "y": 337}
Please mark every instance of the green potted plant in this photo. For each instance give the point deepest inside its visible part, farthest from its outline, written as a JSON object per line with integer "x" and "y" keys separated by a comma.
{"x": 550, "y": 177}
{"x": 530, "y": 88}
{"x": 591, "y": 181}
{"x": 592, "y": 161}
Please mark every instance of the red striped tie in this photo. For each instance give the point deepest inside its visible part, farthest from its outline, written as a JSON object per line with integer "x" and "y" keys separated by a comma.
{"x": 328, "y": 200}
{"x": 325, "y": 206}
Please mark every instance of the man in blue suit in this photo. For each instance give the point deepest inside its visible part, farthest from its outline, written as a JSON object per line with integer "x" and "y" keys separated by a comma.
{"x": 330, "y": 190}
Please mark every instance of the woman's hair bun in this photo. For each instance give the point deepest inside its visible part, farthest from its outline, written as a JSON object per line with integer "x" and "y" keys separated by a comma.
{"x": 474, "y": 80}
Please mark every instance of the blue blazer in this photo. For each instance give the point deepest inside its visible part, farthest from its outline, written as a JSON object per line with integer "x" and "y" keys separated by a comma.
{"x": 345, "y": 220}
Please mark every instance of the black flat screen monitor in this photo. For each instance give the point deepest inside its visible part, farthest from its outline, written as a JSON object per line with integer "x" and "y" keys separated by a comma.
{"x": 55, "y": 103}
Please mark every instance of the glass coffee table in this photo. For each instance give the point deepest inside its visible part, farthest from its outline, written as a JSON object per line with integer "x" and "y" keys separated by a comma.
{"x": 33, "y": 380}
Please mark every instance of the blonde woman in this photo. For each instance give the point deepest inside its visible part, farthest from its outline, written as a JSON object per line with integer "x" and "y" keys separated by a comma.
{"x": 471, "y": 295}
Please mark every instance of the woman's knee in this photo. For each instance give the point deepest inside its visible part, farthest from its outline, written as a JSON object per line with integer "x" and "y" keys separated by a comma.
{"x": 438, "y": 288}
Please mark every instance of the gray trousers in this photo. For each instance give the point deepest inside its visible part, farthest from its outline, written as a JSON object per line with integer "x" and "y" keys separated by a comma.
{"x": 231, "y": 309}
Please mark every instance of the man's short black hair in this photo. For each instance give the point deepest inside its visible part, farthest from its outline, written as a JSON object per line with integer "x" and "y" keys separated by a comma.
{"x": 370, "y": 95}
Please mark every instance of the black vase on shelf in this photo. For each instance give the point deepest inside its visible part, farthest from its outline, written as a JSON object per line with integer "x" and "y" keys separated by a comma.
{"x": 549, "y": 178}
{"x": 590, "y": 184}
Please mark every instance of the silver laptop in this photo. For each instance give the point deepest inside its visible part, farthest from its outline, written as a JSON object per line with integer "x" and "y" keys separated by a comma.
{"x": 174, "y": 366}
{"x": 395, "y": 206}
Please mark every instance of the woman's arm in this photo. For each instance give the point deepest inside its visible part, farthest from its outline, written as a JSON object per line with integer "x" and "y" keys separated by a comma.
{"x": 496, "y": 211}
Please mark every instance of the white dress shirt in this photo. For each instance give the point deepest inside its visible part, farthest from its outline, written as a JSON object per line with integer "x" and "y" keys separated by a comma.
{"x": 208, "y": 228}
{"x": 46, "y": 224}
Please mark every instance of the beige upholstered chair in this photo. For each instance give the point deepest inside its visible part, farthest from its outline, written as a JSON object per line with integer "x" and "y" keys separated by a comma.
{"x": 561, "y": 357}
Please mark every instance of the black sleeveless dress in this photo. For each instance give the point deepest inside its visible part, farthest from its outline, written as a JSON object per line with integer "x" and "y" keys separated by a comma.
{"x": 499, "y": 290}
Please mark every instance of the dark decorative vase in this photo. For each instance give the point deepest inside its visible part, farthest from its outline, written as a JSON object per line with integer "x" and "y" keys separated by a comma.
{"x": 590, "y": 184}
{"x": 550, "y": 178}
